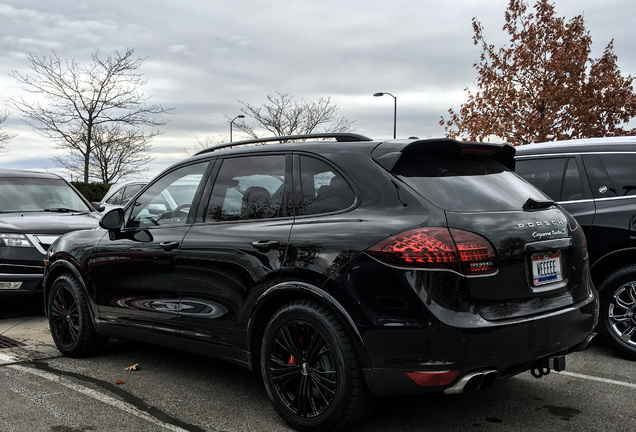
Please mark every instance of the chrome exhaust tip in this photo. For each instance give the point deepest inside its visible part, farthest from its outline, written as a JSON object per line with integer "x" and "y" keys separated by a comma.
{"x": 471, "y": 382}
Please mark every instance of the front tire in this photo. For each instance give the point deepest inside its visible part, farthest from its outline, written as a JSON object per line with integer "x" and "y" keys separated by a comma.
{"x": 70, "y": 320}
{"x": 311, "y": 370}
{"x": 618, "y": 311}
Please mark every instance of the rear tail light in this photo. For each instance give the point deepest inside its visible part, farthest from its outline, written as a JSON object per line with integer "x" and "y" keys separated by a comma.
{"x": 437, "y": 248}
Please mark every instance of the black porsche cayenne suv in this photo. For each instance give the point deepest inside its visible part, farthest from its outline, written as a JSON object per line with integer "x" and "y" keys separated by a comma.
{"x": 338, "y": 270}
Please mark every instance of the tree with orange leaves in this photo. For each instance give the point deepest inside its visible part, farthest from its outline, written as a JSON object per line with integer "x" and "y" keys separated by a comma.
{"x": 543, "y": 86}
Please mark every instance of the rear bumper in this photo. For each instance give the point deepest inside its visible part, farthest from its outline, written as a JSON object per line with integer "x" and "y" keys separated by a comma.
{"x": 507, "y": 348}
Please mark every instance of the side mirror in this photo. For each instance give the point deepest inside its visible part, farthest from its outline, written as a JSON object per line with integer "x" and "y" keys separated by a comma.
{"x": 113, "y": 220}
{"x": 100, "y": 207}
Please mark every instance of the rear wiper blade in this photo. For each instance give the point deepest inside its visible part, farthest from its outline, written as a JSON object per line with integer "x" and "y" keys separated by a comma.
{"x": 532, "y": 204}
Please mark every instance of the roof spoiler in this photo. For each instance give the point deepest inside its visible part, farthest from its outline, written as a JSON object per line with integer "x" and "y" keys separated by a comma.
{"x": 387, "y": 153}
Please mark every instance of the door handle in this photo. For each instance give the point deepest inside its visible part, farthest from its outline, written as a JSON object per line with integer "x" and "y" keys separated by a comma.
{"x": 266, "y": 245}
{"x": 169, "y": 245}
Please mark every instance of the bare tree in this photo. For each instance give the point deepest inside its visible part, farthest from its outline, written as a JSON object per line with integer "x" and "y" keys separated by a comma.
{"x": 282, "y": 116}
{"x": 72, "y": 102}
{"x": 116, "y": 154}
{"x": 543, "y": 86}
{"x": 5, "y": 135}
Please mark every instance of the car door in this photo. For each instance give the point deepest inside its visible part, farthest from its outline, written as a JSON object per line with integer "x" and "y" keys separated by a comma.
{"x": 135, "y": 272}
{"x": 235, "y": 252}
{"x": 613, "y": 182}
{"x": 562, "y": 179}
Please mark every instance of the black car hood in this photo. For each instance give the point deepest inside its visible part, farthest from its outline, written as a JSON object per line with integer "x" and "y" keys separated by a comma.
{"x": 46, "y": 223}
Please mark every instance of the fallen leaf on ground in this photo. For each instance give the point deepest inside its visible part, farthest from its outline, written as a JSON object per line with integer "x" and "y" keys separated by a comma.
{"x": 134, "y": 367}
{"x": 119, "y": 382}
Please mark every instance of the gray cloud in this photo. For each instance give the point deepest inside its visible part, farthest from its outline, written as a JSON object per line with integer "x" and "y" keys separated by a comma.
{"x": 203, "y": 57}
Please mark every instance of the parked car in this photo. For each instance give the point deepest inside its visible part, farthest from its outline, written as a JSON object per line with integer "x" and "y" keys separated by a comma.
{"x": 35, "y": 209}
{"x": 595, "y": 180}
{"x": 337, "y": 270}
{"x": 119, "y": 194}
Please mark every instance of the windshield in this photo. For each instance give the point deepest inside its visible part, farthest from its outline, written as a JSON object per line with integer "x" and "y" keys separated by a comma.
{"x": 24, "y": 194}
{"x": 465, "y": 182}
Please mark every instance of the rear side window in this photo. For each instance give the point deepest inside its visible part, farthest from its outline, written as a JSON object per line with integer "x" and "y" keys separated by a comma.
{"x": 324, "y": 190}
{"x": 559, "y": 177}
{"x": 248, "y": 188}
{"x": 458, "y": 182}
{"x": 621, "y": 168}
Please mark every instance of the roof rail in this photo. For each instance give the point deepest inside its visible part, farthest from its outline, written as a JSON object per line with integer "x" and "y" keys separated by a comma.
{"x": 339, "y": 136}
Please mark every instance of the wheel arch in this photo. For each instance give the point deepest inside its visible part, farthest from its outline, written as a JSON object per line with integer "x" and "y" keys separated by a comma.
{"x": 53, "y": 271}
{"x": 277, "y": 296}
{"x": 611, "y": 262}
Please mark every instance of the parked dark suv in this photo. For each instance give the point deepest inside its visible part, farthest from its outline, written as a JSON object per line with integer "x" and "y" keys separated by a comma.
{"x": 35, "y": 209}
{"x": 595, "y": 180}
{"x": 338, "y": 270}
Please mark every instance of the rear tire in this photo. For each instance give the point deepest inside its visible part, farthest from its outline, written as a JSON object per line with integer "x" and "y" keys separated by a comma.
{"x": 70, "y": 320}
{"x": 311, "y": 370}
{"x": 617, "y": 324}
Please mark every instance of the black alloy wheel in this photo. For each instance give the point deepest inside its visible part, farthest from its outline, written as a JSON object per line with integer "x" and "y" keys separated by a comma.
{"x": 69, "y": 319}
{"x": 311, "y": 371}
{"x": 618, "y": 311}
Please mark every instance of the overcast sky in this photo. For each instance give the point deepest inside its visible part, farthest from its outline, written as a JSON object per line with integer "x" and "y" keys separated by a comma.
{"x": 204, "y": 56}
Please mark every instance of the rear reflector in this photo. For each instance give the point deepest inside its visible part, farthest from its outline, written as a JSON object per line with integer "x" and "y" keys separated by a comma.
{"x": 431, "y": 379}
{"x": 437, "y": 248}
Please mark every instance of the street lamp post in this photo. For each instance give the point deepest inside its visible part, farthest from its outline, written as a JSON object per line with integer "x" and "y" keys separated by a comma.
{"x": 232, "y": 122}
{"x": 394, "y": 109}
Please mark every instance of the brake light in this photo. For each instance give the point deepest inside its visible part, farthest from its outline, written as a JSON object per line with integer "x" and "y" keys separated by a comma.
{"x": 437, "y": 248}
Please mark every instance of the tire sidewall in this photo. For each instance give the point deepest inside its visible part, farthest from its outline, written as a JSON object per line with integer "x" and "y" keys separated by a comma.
{"x": 310, "y": 315}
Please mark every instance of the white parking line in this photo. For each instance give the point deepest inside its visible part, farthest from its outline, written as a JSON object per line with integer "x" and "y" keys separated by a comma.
{"x": 599, "y": 379}
{"x": 116, "y": 403}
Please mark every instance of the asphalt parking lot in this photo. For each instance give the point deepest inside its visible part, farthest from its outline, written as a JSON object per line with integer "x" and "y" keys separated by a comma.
{"x": 175, "y": 391}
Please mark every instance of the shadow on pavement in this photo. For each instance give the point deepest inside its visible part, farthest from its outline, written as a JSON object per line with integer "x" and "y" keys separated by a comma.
{"x": 17, "y": 305}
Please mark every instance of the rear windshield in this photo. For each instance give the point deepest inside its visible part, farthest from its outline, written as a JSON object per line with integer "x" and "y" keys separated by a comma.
{"x": 458, "y": 182}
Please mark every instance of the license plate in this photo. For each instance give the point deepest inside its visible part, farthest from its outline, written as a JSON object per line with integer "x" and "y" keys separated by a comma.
{"x": 546, "y": 268}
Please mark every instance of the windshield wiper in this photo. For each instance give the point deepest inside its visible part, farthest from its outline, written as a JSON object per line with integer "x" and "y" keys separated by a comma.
{"x": 62, "y": 210}
{"x": 532, "y": 204}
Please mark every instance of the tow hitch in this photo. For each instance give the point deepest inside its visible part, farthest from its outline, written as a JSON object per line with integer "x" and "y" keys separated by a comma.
{"x": 543, "y": 366}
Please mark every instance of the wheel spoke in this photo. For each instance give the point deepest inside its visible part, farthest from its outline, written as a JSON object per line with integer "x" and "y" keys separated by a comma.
{"x": 317, "y": 345}
{"x": 619, "y": 317}
{"x": 627, "y": 335}
{"x": 282, "y": 372}
{"x": 301, "y": 399}
{"x": 289, "y": 341}
{"x": 324, "y": 383}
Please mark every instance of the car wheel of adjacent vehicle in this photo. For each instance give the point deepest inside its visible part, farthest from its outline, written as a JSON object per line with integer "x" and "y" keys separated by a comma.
{"x": 618, "y": 310}
{"x": 69, "y": 319}
{"x": 311, "y": 371}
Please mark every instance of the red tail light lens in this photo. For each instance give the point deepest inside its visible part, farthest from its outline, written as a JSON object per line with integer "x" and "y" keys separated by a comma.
{"x": 429, "y": 379}
{"x": 437, "y": 248}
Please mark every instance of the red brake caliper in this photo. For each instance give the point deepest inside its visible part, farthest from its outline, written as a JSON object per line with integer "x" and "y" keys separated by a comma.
{"x": 292, "y": 359}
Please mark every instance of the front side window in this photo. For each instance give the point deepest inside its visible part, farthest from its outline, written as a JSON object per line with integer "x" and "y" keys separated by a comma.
{"x": 169, "y": 200}
{"x": 248, "y": 188}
